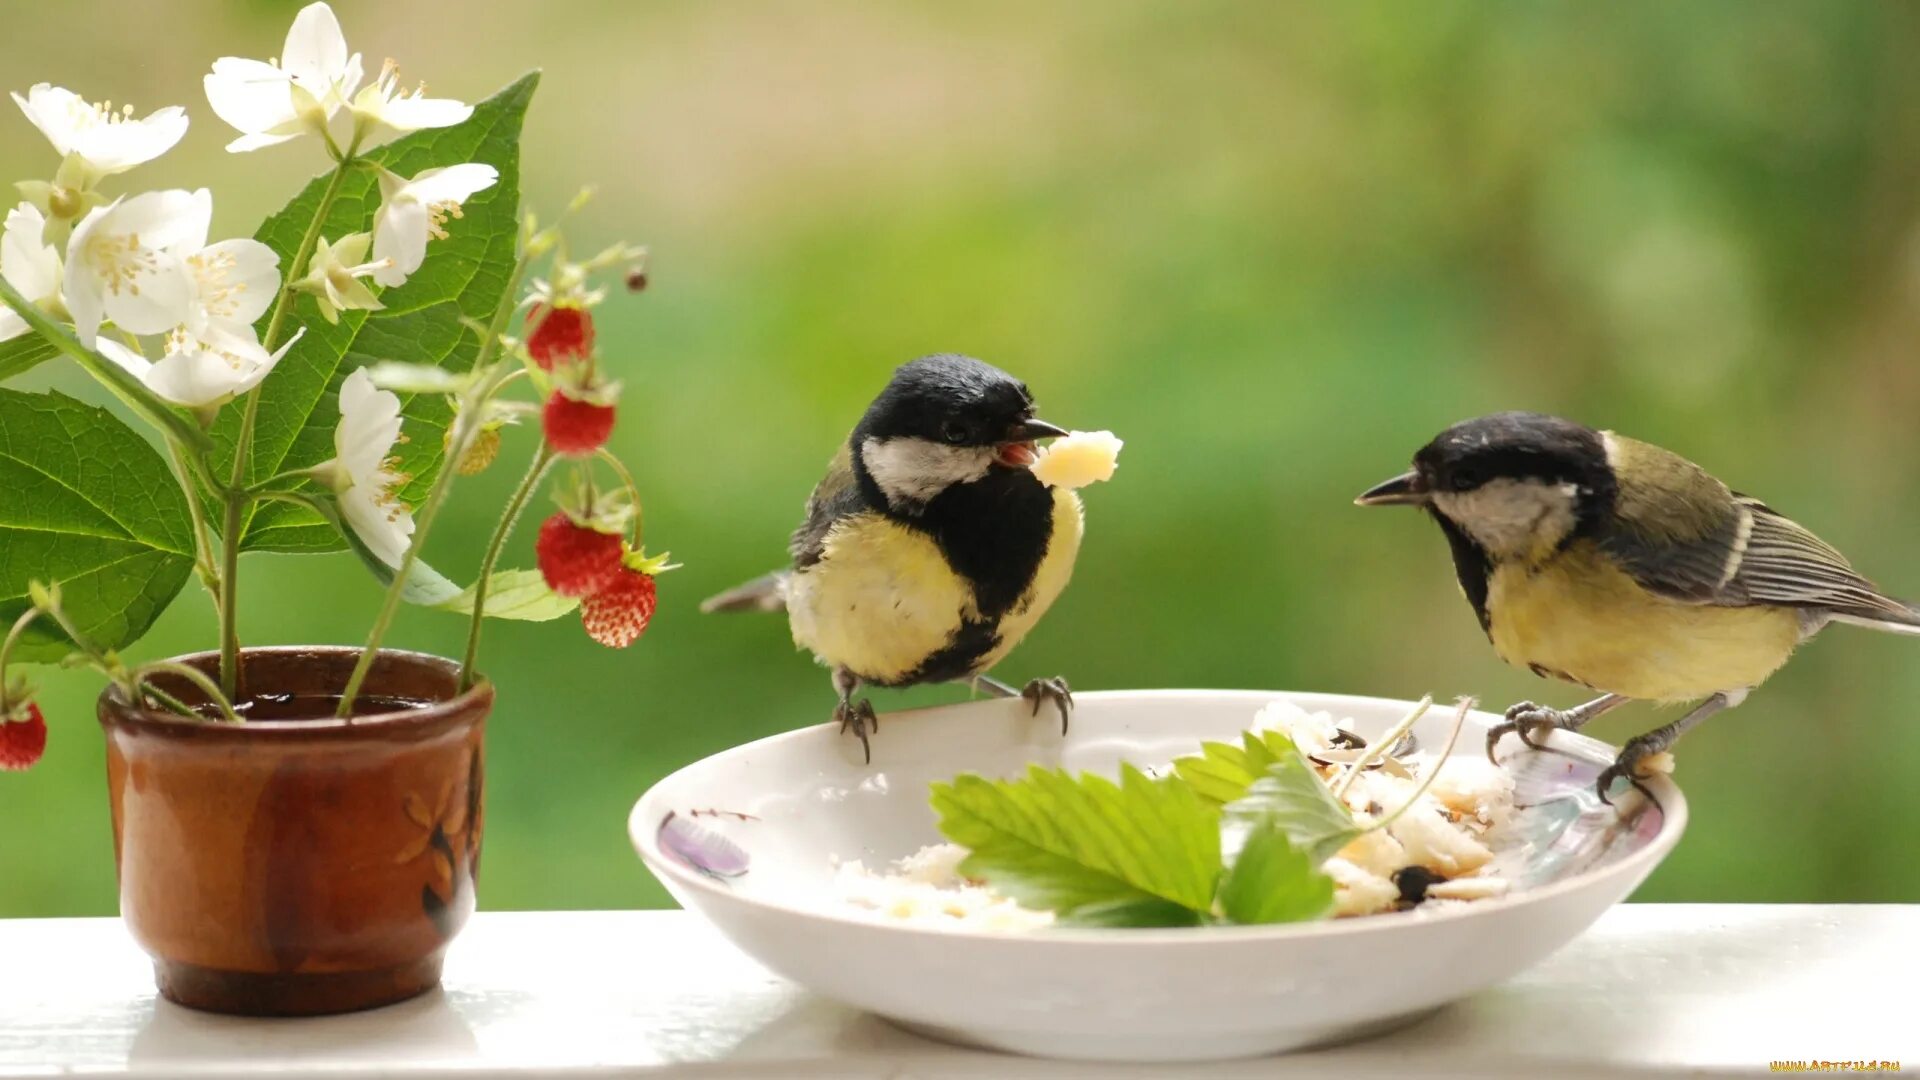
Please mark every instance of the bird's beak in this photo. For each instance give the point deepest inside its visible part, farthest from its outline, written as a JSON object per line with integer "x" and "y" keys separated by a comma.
{"x": 1407, "y": 489}
{"x": 1016, "y": 448}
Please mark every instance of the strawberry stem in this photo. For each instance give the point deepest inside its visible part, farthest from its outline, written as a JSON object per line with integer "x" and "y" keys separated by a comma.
{"x": 542, "y": 459}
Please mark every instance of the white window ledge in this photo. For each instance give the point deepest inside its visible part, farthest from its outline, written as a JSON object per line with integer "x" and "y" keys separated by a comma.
{"x": 1652, "y": 990}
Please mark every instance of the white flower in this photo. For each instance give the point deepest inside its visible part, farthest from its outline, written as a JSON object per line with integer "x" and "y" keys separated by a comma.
{"x": 105, "y": 141}
{"x": 382, "y": 105}
{"x": 119, "y": 263}
{"x": 334, "y": 273}
{"x": 271, "y": 102}
{"x": 363, "y": 470}
{"x": 29, "y": 265}
{"x": 412, "y": 211}
{"x": 199, "y": 372}
{"x": 230, "y": 283}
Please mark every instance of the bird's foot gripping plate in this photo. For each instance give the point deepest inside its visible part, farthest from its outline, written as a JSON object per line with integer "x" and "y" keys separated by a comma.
{"x": 1627, "y": 766}
{"x": 1532, "y": 723}
{"x": 859, "y": 718}
{"x": 1055, "y": 690}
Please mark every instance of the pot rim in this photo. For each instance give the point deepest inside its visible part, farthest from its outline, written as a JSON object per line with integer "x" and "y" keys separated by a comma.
{"x": 478, "y": 697}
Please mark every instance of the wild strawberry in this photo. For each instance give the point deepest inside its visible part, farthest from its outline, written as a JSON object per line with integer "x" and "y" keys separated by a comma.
{"x": 576, "y": 560}
{"x": 23, "y": 738}
{"x": 618, "y": 614}
{"x": 558, "y": 334}
{"x": 576, "y": 427}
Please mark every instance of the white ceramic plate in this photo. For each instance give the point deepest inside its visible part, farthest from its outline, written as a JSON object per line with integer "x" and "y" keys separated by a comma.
{"x": 1142, "y": 995}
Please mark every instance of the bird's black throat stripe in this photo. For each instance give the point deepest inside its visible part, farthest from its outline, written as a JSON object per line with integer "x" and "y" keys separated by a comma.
{"x": 1471, "y": 566}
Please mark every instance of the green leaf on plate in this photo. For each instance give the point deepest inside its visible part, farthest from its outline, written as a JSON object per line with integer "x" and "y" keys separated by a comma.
{"x": 515, "y": 594}
{"x": 1272, "y": 881}
{"x": 23, "y": 354}
{"x": 424, "y": 320}
{"x": 1222, "y": 772}
{"x": 1292, "y": 797}
{"x": 89, "y": 504}
{"x": 1142, "y": 852}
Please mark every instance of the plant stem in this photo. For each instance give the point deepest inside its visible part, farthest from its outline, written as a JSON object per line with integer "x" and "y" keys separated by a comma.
{"x": 202, "y": 541}
{"x": 466, "y": 423}
{"x": 237, "y": 498}
{"x": 6, "y": 652}
{"x": 633, "y": 493}
{"x": 1381, "y": 745}
{"x": 542, "y": 458}
{"x": 194, "y": 676}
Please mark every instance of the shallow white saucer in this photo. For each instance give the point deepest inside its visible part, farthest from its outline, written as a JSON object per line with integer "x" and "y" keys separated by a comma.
{"x": 790, "y": 805}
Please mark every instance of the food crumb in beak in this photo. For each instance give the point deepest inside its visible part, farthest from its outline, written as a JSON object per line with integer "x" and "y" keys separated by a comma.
{"x": 1078, "y": 459}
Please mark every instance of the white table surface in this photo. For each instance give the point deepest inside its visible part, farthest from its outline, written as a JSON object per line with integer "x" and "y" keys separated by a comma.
{"x": 1652, "y": 990}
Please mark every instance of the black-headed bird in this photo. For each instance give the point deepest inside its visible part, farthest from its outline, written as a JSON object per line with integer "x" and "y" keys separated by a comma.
{"x": 1625, "y": 568}
{"x": 929, "y": 550}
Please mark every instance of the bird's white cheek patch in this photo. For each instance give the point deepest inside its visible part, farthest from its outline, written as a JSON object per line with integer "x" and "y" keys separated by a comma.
{"x": 911, "y": 472}
{"x": 1512, "y": 517}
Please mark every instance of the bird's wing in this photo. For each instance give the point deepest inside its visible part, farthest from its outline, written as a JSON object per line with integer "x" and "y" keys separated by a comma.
{"x": 837, "y": 495}
{"x": 1751, "y": 555}
{"x": 1785, "y": 563}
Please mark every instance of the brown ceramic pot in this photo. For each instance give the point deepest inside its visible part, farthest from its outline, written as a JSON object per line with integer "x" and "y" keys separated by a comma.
{"x": 297, "y": 864}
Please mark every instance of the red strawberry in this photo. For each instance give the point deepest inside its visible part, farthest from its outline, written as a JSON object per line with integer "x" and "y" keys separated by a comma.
{"x": 559, "y": 334}
{"x": 22, "y": 740}
{"x": 617, "y": 615}
{"x": 576, "y": 560}
{"x": 574, "y": 427}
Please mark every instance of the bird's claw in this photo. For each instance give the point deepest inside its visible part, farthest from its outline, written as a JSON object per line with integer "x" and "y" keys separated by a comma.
{"x": 1526, "y": 720}
{"x": 1041, "y": 691}
{"x": 859, "y": 717}
{"x": 1627, "y": 767}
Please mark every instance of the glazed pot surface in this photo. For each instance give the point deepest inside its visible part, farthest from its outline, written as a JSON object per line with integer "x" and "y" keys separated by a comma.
{"x": 298, "y": 864}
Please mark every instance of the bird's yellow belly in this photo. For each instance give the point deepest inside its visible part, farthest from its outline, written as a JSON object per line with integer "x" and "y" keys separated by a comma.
{"x": 880, "y": 601}
{"x": 1581, "y": 618}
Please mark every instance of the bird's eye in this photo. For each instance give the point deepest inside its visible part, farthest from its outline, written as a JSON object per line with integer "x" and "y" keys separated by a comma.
{"x": 1464, "y": 479}
{"x": 955, "y": 432}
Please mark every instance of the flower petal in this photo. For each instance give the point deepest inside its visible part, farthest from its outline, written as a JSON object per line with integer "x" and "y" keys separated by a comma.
{"x": 116, "y": 147}
{"x": 11, "y": 324}
{"x": 400, "y": 240}
{"x": 369, "y": 425}
{"x": 29, "y": 263}
{"x": 316, "y": 51}
{"x": 414, "y": 113}
{"x": 385, "y": 530}
{"x": 248, "y": 94}
{"x": 55, "y": 111}
{"x": 238, "y": 279}
{"x": 455, "y": 183}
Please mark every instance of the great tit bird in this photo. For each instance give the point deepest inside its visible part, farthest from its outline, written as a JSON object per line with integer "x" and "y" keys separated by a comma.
{"x": 1610, "y": 563}
{"x": 929, "y": 549}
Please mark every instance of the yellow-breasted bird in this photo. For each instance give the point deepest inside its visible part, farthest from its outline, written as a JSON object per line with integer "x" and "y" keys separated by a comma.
{"x": 1598, "y": 560}
{"x": 929, "y": 549}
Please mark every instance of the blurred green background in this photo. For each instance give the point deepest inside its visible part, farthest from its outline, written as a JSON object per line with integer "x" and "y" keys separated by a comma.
{"x": 1274, "y": 246}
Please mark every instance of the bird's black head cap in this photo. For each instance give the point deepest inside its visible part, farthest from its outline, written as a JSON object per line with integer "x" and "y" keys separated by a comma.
{"x": 951, "y": 399}
{"x": 1516, "y": 446}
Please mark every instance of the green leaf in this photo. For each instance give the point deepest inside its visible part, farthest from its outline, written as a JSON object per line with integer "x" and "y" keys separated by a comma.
{"x": 1292, "y": 797}
{"x": 1222, "y": 772}
{"x": 23, "y": 354}
{"x": 90, "y": 505}
{"x": 515, "y": 594}
{"x": 1088, "y": 848}
{"x": 1274, "y": 882}
{"x": 424, "y": 321}
{"x": 426, "y": 587}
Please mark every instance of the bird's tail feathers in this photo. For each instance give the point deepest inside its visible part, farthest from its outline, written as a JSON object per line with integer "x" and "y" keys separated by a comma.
{"x": 1907, "y": 622}
{"x": 767, "y": 592}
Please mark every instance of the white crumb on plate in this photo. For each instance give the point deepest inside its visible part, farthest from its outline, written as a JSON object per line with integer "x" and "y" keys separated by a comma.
{"x": 1077, "y": 459}
{"x": 926, "y": 889}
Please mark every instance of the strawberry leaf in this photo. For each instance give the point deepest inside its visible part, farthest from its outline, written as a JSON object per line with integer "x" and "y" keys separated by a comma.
{"x": 1272, "y": 881}
{"x": 1222, "y": 772}
{"x": 515, "y": 594}
{"x": 1291, "y": 797}
{"x": 1141, "y": 852}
